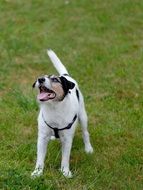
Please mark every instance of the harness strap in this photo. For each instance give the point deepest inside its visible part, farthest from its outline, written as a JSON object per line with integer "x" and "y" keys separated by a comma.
{"x": 56, "y": 130}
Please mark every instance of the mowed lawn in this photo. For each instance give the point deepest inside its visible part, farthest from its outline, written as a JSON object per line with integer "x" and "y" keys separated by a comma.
{"x": 101, "y": 44}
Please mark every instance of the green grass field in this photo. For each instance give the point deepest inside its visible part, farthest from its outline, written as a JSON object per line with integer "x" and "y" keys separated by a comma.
{"x": 101, "y": 44}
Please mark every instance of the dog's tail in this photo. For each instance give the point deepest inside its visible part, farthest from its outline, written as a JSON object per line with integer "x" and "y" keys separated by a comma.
{"x": 56, "y": 62}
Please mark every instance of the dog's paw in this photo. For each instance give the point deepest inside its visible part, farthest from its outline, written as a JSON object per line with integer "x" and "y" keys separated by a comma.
{"x": 53, "y": 137}
{"x": 67, "y": 173}
{"x": 89, "y": 149}
{"x": 37, "y": 173}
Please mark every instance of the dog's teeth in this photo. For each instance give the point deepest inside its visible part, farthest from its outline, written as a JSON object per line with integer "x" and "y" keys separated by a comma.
{"x": 44, "y": 89}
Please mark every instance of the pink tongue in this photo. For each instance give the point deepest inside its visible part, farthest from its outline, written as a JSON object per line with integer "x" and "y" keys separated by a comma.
{"x": 43, "y": 96}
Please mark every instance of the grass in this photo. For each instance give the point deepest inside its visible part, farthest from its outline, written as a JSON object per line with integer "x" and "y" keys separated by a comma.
{"x": 100, "y": 42}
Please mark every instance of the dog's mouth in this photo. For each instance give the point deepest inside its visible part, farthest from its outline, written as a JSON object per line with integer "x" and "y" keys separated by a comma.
{"x": 45, "y": 94}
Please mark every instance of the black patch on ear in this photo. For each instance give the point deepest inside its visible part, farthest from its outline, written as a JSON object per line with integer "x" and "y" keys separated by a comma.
{"x": 34, "y": 84}
{"x": 67, "y": 85}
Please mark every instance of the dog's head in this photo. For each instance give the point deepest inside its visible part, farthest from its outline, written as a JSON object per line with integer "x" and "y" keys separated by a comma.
{"x": 52, "y": 88}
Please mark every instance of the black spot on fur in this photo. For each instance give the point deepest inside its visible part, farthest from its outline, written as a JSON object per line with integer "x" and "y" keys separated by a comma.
{"x": 65, "y": 74}
{"x": 77, "y": 94}
{"x": 67, "y": 85}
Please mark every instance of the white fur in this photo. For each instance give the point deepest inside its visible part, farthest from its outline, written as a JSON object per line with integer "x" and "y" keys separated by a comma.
{"x": 59, "y": 114}
{"x": 57, "y": 62}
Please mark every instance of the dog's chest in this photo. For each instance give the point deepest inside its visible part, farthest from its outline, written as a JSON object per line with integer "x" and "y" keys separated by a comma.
{"x": 58, "y": 118}
{"x": 60, "y": 115}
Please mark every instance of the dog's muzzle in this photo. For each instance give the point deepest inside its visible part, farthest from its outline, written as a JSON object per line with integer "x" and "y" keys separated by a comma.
{"x": 41, "y": 80}
{"x": 45, "y": 93}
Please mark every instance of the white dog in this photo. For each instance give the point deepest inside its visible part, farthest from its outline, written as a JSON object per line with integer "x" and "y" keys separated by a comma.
{"x": 61, "y": 106}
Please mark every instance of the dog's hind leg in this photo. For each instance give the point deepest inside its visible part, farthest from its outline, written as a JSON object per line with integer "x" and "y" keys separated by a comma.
{"x": 84, "y": 121}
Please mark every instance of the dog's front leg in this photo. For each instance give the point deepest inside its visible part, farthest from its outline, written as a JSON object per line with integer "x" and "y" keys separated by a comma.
{"x": 66, "y": 149}
{"x": 41, "y": 153}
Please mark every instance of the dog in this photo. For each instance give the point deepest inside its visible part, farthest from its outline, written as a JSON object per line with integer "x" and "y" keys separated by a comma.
{"x": 61, "y": 107}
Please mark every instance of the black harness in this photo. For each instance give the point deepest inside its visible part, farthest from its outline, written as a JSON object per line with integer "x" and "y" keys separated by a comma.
{"x": 56, "y": 130}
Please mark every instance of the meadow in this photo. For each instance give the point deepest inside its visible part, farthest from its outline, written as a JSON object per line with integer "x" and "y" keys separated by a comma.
{"x": 101, "y": 44}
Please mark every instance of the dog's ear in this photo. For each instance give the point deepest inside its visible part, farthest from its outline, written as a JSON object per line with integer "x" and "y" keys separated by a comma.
{"x": 34, "y": 84}
{"x": 67, "y": 85}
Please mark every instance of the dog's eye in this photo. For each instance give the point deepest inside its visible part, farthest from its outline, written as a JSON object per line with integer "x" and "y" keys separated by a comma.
{"x": 54, "y": 80}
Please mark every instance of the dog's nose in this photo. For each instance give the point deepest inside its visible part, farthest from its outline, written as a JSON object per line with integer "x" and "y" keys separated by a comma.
{"x": 41, "y": 80}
